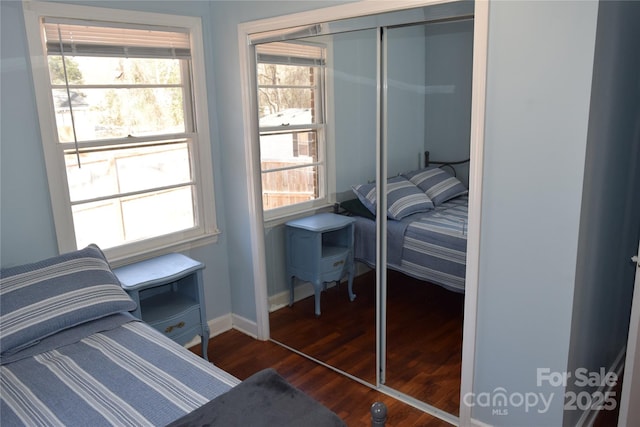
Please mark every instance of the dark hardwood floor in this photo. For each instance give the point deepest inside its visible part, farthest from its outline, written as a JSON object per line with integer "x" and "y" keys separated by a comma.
{"x": 424, "y": 360}
{"x": 242, "y": 356}
{"x": 424, "y": 335}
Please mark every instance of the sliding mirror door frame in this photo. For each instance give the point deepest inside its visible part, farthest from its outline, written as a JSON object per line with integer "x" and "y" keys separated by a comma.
{"x": 252, "y": 159}
{"x": 426, "y": 80}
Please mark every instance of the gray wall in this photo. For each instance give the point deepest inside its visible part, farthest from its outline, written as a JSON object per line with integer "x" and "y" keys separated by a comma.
{"x": 406, "y": 90}
{"x": 610, "y": 219}
{"x": 27, "y": 232}
{"x": 429, "y": 104}
{"x": 354, "y": 101}
{"x": 448, "y": 103}
{"x": 540, "y": 63}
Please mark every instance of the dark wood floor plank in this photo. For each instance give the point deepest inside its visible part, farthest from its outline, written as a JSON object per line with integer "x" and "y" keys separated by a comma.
{"x": 424, "y": 335}
{"x": 242, "y": 356}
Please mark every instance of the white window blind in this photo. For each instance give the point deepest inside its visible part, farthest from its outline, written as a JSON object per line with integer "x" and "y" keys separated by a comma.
{"x": 92, "y": 38}
{"x": 288, "y": 53}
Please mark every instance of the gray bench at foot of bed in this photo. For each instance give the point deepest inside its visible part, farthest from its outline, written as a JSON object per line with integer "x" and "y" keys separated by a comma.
{"x": 264, "y": 399}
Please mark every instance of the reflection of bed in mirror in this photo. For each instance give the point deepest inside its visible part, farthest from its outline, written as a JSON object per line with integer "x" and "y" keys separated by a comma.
{"x": 426, "y": 224}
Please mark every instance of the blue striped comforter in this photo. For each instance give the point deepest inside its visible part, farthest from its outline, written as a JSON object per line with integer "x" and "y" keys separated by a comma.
{"x": 429, "y": 246}
{"x": 130, "y": 375}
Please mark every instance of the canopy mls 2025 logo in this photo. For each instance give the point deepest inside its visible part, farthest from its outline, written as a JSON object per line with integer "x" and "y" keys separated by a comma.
{"x": 590, "y": 390}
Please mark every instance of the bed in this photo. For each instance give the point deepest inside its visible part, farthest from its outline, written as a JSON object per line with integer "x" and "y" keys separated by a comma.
{"x": 72, "y": 354}
{"x": 427, "y": 215}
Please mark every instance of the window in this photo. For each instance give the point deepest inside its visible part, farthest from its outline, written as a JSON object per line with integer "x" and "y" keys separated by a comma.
{"x": 124, "y": 131}
{"x": 292, "y": 125}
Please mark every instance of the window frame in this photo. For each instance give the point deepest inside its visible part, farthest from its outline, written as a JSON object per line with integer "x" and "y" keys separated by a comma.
{"x": 205, "y": 230}
{"x": 322, "y": 129}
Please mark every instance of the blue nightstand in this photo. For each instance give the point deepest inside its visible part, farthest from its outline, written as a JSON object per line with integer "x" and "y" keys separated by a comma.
{"x": 170, "y": 297}
{"x": 319, "y": 250}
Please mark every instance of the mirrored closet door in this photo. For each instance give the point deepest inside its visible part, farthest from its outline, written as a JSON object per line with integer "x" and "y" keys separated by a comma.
{"x": 427, "y": 76}
{"x": 346, "y": 112}
{"x": 332, "y": 127}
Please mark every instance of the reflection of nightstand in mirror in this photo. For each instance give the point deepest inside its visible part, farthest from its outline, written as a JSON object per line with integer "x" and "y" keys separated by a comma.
{"x": 168, "y": 291}
{"x": 320, "y": 250}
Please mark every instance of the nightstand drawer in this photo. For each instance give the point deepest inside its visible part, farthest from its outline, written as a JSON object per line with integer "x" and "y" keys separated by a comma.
{"x": 334, "y": 260}
{"x": 180, "y": 323}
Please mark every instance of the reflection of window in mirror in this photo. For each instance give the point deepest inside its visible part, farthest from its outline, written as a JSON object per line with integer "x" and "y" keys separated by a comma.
{"x": 290, "y": 81}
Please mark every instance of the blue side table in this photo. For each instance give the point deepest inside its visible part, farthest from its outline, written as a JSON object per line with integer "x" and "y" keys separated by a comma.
{"x": 320, "y": 250}
{"x": 170, "y": 297}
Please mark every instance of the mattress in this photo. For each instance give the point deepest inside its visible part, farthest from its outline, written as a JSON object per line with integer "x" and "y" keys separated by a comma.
{"x": 429, "y": 246}
{"x": 121, "y": 372}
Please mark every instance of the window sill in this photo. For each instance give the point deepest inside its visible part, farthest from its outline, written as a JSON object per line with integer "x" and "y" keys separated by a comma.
{"x": 181, "y": 246}
{"x": 281, "y": 219}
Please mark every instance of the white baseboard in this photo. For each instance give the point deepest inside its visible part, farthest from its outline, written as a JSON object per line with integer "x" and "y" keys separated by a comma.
{"x": 305, "y": 290}
{"x": 246, "y": 326}
{"x": 226, "y": 323}
{"x": 478, "y": 423}
{"x": 277, "y": 301}
{"x": 220, "y": 325}
{"x": 216, "y": 327}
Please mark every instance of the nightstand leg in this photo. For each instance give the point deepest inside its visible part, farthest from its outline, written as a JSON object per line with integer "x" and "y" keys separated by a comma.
{"x": 317, "y": 287}
{"x": 292, "y": 286}
{"x": 352, "y": 296}
{"x": 205, "y": 343}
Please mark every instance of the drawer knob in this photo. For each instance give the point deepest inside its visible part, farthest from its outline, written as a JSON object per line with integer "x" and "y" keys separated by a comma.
{"x": 171, "y": 328}
{"x": 337, "y": 263}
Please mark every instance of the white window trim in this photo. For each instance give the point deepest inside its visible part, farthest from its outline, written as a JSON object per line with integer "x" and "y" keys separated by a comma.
{"x": 207, "y": 230}
{"x": 326, "y": 156}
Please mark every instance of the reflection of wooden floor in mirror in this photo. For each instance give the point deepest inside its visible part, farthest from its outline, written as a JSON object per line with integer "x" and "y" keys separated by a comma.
{"x": 424, "y": 335}
{"x": 242, "y": 356}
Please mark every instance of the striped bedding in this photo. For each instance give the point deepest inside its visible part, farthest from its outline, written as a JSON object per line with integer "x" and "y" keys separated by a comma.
{"x": 429, "y": 246}
{"x": 71, "y": 353}
{"x": 130, "y": 375}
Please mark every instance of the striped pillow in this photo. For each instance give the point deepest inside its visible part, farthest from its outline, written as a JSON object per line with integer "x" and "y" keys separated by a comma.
{"x": 37, "y": 300}
{"x": 438, "y": 184}
{"x": 403, "y": 198}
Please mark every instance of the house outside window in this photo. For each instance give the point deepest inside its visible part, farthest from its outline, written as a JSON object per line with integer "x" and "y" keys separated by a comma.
{"x": 291, "y": 91}
{"x": 123, "y": 115}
